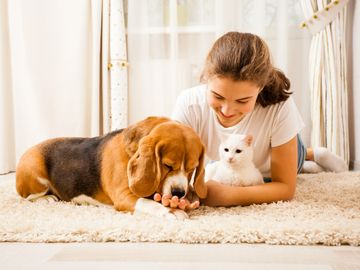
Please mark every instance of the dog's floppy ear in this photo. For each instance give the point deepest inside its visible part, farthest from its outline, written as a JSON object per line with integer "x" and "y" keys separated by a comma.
{"x": 144, "y": 172}
{"x": 134, "y": 133}
{"x": 199, "y": 182}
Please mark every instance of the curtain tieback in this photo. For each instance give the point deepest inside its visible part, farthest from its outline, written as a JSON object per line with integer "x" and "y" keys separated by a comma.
{"x": 320, "y": 19}
{"x": 122, "y": 63}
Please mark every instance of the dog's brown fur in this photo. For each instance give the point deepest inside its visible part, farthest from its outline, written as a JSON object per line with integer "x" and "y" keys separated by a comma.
{"x": 118, "y": 168}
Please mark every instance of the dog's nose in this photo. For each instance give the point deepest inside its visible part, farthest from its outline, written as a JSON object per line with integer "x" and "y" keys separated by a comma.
{"x": 178, "y": 192}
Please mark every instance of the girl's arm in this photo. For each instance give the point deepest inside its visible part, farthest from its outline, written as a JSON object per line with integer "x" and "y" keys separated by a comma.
{"x": 282, "y": 187}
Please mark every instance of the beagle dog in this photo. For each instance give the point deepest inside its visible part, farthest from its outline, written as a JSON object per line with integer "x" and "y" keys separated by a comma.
{"x": 123, "y": 168}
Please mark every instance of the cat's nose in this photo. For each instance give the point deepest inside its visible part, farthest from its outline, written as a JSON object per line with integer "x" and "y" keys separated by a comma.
{"x": 230, "y": 160}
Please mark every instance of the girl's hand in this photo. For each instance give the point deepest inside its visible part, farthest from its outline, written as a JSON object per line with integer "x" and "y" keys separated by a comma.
{"x": 216, "y": 194}
{"x": 175, "y": 202}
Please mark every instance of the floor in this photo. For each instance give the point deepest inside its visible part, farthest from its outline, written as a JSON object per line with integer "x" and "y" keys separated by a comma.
{"x": 107, "y": 256}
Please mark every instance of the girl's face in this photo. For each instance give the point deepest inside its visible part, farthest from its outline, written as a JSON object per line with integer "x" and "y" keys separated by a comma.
{"x": 230, "y": 99}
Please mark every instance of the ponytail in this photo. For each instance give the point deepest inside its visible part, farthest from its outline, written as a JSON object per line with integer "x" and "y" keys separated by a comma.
{"x": 276, "y": 90}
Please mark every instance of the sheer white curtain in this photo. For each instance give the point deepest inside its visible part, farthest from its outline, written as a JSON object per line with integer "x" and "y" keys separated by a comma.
{"x": 326, "y": 20}
{"x": 168, "y": 42}
{"x": 50, "y": 73}
{"x": 7, "y": 146}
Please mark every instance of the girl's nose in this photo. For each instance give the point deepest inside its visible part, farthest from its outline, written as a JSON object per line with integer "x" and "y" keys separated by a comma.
{"x": 227, "y": 110}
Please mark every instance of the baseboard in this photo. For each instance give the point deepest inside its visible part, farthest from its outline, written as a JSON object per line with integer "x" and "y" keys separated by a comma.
{"x": 355, "y": 165}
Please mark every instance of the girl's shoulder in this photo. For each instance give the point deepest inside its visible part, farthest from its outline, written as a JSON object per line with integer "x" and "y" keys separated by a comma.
{"x": 191, "y": 107}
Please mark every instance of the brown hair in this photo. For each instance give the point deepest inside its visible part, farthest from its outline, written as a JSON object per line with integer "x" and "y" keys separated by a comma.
{"x": 246, "y": 57}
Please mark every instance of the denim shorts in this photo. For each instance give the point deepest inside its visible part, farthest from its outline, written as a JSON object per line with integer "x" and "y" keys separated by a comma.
{"x": 301, "y": 157}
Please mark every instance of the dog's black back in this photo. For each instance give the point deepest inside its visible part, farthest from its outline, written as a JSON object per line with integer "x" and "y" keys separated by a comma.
{"x": 73, "y": 165}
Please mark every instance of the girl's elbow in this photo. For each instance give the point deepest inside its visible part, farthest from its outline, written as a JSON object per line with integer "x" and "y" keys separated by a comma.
{"x": 289, "y": 197}
{"x": 289, "y": 194}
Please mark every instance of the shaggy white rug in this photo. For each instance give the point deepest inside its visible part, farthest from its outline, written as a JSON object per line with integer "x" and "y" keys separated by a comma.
{"x": 325, "y": 210}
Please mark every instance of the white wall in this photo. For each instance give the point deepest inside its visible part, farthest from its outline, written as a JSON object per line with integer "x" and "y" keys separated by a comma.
{"x": 354, "y": 82}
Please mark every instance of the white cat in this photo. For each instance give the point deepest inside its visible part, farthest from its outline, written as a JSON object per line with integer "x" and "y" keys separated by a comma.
{"x": 235, "y": 166}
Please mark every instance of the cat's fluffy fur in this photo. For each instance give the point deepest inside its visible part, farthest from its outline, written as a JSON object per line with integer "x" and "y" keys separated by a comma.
{"x": 235, "y": 166}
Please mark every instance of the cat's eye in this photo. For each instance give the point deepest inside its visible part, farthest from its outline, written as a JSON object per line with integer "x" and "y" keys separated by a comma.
{"x": 238, "y": 151}
{"x": 226, "y": 149}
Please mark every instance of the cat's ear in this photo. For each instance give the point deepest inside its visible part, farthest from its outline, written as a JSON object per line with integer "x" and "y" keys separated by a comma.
{"x": 248, "y": 140}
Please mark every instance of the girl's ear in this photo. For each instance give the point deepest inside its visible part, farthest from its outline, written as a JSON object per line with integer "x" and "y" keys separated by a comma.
{"x": 248, "y": 140}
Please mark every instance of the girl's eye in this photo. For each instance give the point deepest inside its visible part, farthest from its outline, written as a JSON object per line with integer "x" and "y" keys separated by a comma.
{"x": 238, "y": 151}
{"x": 242, "y": 102}
{"x": 226, "y": 149}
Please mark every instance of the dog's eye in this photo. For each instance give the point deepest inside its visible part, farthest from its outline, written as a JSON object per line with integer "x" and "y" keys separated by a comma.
{"x": 238, "y": 151}
{"x": 169, "y": 167}
{"x": 226, "y": 149}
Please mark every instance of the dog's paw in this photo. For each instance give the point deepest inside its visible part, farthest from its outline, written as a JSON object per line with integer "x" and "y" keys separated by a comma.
{"x": 45, "y": 198}
{"x": 179, "y": 214}
{"x": 153, "y": 208}
{"x": 175, "y": 214}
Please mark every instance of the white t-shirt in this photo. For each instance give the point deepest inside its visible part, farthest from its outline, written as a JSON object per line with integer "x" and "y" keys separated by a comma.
{"x": 271, "y": 126}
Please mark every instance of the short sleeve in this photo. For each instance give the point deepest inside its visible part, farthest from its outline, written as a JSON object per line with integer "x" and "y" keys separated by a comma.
{"x": 287, "y": 123}
{"x": 186, "y": 110}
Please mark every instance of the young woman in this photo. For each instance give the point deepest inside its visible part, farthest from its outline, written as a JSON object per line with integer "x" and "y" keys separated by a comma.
{"x": 244, "y": 93}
